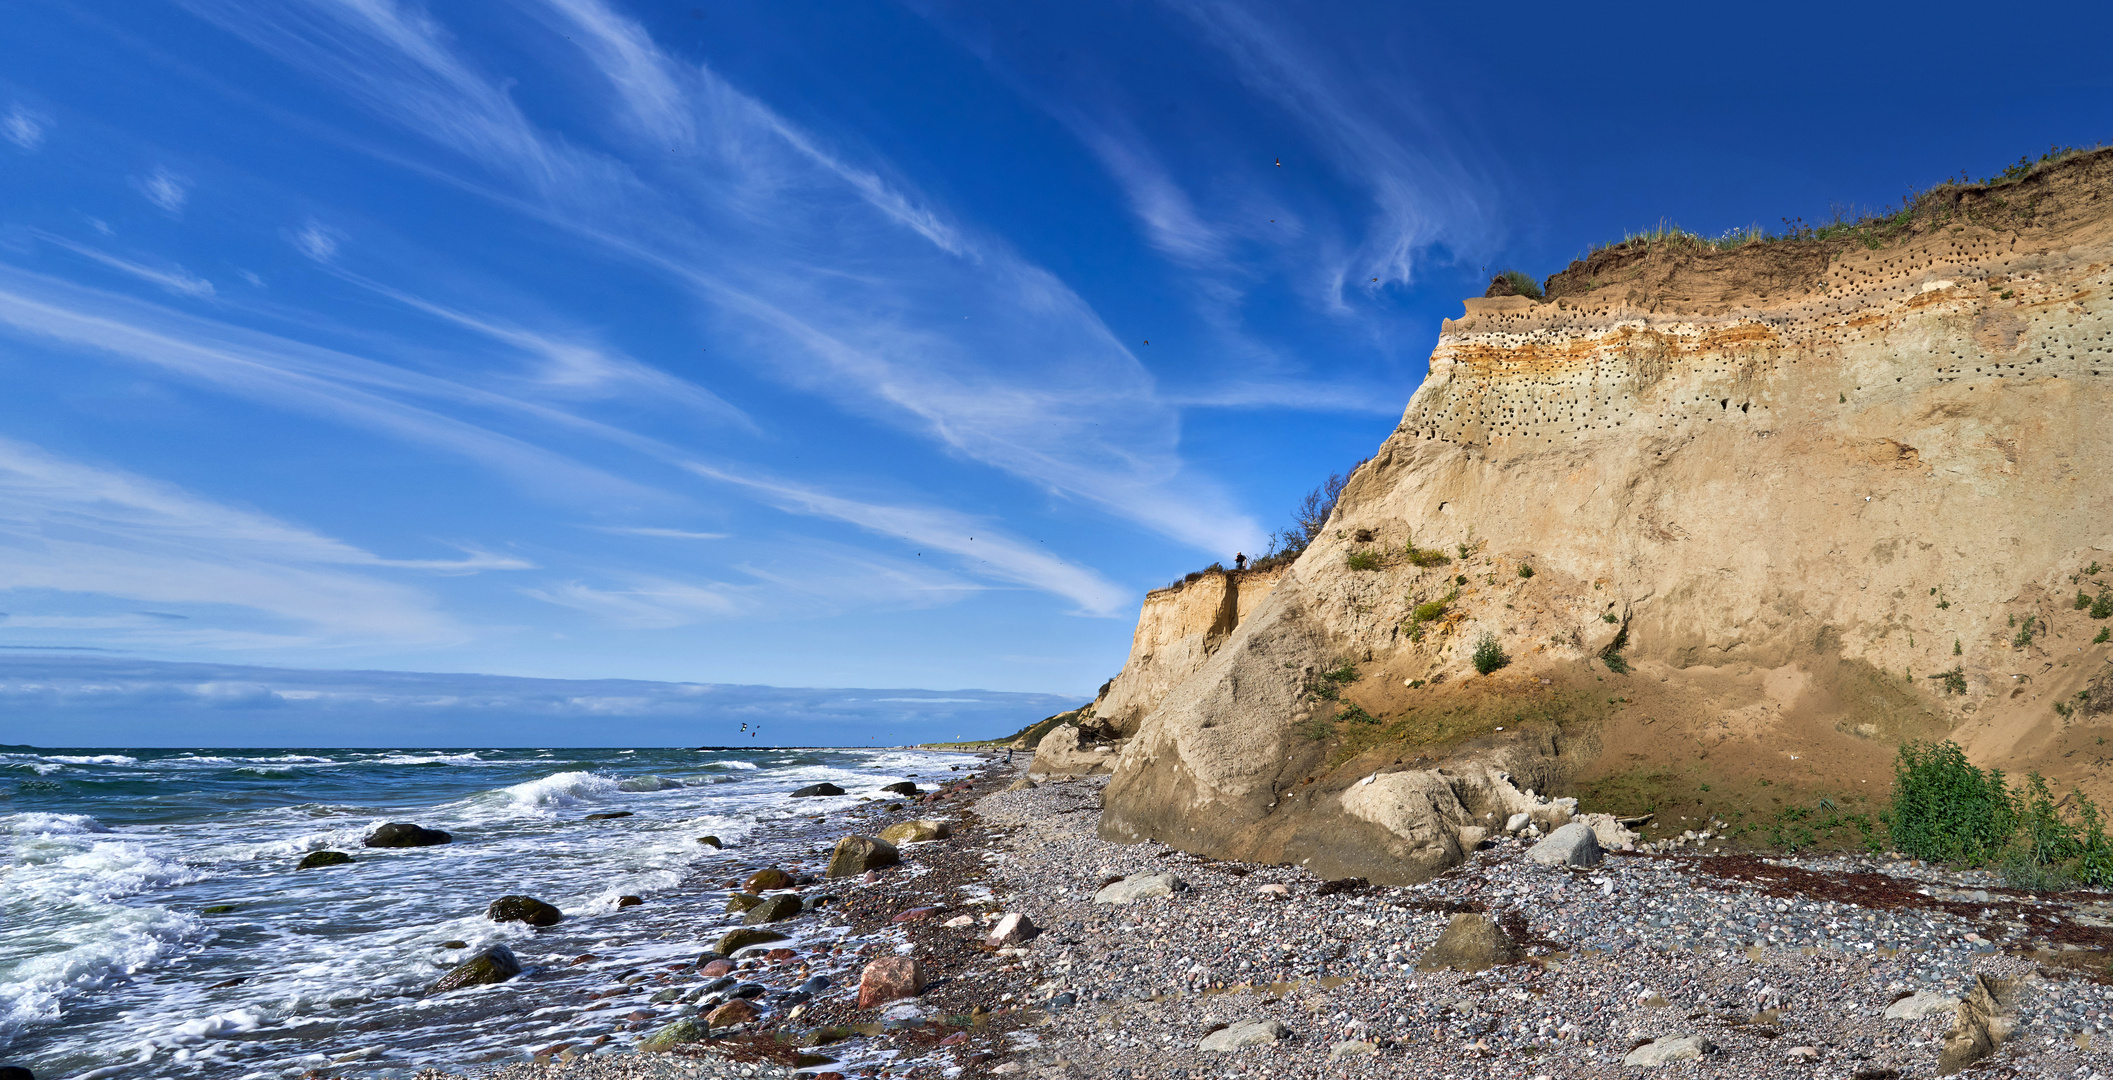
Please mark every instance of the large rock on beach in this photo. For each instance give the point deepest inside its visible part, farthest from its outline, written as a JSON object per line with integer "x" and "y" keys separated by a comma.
{"x": 1668, "y": 1050}
{"x": 405, "y": 834}
{"x": 316, "y": 860}
{"x": 889, "y": 978}
{"x": 738, "y": 1011}
{"x": 492, "y": 964}
{"x": 1060, "y": 754}
{"x": 668, "y": 1037}
{"x": 1244, "y": 1034}
{"x": 766, "y": 880}
{"x": 1574, "y": 844}
{"x": 817, "y": 790}
{"x": 901, "y": 787}
{"x": 854, "y": 855}
{"x": 773, "y": 909}
{"x": 739, "y": 902}
{"x": 1139, "y": 887}
{"x": 1919, "y": 1004}
{"x": 735, "y": 940}
{"x": 1471, "y": 942}
{"x": 1985, "y": 1021}
{"x": 916, "y": 832}
{"x": 523, "y": 909}
{"x": 1011, "y": 929}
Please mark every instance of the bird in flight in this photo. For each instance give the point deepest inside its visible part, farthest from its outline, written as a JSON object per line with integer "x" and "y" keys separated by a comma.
{"x": 1280, "y": 163}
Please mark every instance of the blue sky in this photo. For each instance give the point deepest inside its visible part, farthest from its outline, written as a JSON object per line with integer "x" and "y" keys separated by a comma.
{"x": 858, "y": 344}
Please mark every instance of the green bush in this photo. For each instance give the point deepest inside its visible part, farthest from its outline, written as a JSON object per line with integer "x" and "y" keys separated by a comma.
{"x": 1609, "y": 617}
{"x": 1356, "y": 715}
{"x": 2023, "y": 637}
{"x": 1489, "y": 656}
{"x": 2101, "y": 638}
{"x": 1947, "y": 810}
{"x": 1460, "y": 579}
{"x": 1432, "y": 611}
{"x": 1954, "y": 680}
{"x": 2102, "y": 605}
{"x": 1525, "y": 570}
{"x": 1364, "y": 560}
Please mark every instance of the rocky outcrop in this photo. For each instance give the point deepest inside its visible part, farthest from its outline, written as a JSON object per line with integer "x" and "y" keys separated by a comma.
{"x": 523, "y": 909}
{"x": 493, "y": 964}
{"x": 1065, "y": 752}
{"x": 1774, "y": 509}
{"x": 1178, "y": 628}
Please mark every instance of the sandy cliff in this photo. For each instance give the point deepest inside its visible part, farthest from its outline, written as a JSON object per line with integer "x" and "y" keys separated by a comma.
{"x": 1808, "y": 492}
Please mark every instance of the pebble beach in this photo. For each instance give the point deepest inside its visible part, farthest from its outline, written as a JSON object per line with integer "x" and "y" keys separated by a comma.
{"x": 1671, "y": 963}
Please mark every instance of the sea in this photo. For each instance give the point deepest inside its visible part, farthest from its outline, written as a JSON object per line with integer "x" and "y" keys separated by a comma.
{"x": 153, "y": 924}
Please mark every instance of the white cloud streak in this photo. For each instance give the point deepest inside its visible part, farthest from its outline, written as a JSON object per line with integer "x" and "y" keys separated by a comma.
{"x": 165, "y": 189}
{"x": 81, "y": 529}
{"x": 24, "y": 128}
{"x": 174, "y": 279}
{"x": 315, "y": 240}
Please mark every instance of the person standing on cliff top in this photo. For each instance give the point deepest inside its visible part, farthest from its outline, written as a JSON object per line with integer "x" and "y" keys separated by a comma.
{"x": 1239, "y": 560}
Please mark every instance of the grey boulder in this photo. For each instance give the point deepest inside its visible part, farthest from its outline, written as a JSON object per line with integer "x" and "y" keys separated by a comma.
{"x": 1247, "y": 1033}
{"x": 405, "y": 834}
{"x": 1471, "y": 942}
{"x": 493, "y": 964}
{"x": 1667, "y": 1050}
{"x": 814, "y": 790}
{"x": 1574, "y": 844}
{"x": 1139, "y": 887}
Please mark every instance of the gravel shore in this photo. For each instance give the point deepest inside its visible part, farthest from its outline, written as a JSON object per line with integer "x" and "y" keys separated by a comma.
{"x": 1783, "y": 967}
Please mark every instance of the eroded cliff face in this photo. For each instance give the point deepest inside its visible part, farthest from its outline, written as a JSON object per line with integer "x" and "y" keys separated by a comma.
{"x": 1177, "y": 631}
{"x": 1796, "y": 485}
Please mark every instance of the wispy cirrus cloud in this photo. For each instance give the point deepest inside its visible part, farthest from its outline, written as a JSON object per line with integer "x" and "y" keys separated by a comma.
{"x": 165, "y": 189}
{"x": 86, "y": 531}
{"x": 315, "y": 240}
{"x": 663, "y": 534}
{"x": 173, "y": 278}
{"x": 24, "y": 128}
{"x": 797, "y": 248}
{"x": 987, "y": 551}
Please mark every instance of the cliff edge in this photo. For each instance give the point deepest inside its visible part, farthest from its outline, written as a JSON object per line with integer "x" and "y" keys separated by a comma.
{"x": 1723, "y": 525}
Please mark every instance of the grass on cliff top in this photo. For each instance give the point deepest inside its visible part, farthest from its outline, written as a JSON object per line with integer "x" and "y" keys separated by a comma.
{"x": 1873, "y": 228}
{"x": 1027, "y": 736}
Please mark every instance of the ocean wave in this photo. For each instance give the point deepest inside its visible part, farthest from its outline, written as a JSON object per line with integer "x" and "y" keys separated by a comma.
{"x": 34, "y": 824}
{"x": 112, "y": 943}
{"x": 652, "y": 783}
{"x": 289, "y": 759}
{"x": 91, "y": 759}
{"x": 432, "y": 759}
{"x": 559, "y": 789}
{"x": 57, "y": 869}
{"x": 744, "y": 765}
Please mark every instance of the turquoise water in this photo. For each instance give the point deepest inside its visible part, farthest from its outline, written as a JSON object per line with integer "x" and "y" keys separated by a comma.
{"x": 111, "y": 964}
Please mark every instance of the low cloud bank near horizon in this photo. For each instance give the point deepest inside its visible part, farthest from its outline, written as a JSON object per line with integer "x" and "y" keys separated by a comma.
{"x": 80, "y": 701}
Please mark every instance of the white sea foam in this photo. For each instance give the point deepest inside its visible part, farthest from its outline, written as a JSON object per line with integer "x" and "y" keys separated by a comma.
{"x": 35, "y": 824}
{"x": 560, "y": 789}
{"x": 732, "y": 765}
{"x": 93, "y": 759}
{"x": 434, "y": 759}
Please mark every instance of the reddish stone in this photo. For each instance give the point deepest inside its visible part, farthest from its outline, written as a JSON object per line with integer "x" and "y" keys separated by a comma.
{"x": 779, "y": 955}
{"x": 585, "y": 958}
{"x": 888, "y": 978}
{"x": 915, "y": 914}
{"x": 956, "y": 1039}
{"x": 737, "y": 1011}
{"x": 1011, "y": 930}
{"x": 717, "y": 968}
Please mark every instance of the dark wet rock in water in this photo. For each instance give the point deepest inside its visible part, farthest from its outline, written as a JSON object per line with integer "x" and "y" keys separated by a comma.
{"x": 685, "y": 1030}
{"x": 494, "y": 964}
{"x": 854, "y": 855}
{"x": 741, "y": 938}
{"x": 454, "y": 944}
{"x": 767, "y": 879}
{"x": 405, "y": 834}
{"x": 816, "y": 984}
{"x": 902, "y": 787}
{"x": 710, "y": 840}
{"x": 610, "y": 816}
{"x": 773, "y": 909}
{"x": 740, "y": 902}
{"x": 15, "y": 1072}
{"x": 1471, "y": 943}
{"x": 629, "y": 901}
{"x": 813, "y": 790}
{"x": 523, "y": 909}
{"x": 217, "y": 909}
{"x": 315, "y": 859}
